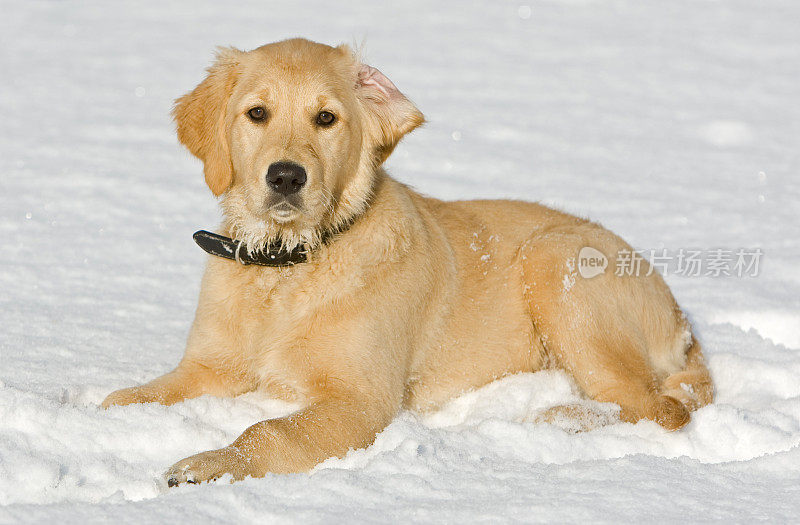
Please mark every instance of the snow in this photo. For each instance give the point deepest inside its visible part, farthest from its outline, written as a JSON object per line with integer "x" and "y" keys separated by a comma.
{"x": 675, "y": 124}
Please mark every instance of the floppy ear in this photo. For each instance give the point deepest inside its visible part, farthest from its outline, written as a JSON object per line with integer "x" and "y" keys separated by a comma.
{"x": 393, "y": 115}
{"x": 200, "y": 118}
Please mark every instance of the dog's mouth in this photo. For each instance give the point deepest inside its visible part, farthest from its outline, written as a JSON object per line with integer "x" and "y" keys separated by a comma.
{"x": 283, "y": 212}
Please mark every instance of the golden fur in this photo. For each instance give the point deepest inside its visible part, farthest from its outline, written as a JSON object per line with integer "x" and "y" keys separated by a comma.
{"x": 415, "y": 302}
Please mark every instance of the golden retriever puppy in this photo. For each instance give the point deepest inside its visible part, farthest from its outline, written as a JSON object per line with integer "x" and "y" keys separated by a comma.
{"x": 387, "y": 299}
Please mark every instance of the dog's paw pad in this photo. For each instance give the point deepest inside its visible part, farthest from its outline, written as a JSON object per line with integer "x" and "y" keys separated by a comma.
{"x": 180, "y": 474}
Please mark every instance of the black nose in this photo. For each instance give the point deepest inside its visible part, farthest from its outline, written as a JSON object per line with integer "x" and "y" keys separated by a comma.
{"x": 286, "y": 177}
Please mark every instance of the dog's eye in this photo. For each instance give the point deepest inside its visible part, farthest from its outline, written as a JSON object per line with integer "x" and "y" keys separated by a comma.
{"x": 257, "y": 114}
{"x": 325, "y": 118}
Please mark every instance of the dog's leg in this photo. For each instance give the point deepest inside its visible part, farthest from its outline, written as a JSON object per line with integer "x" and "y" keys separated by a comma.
{"x": 692, "y": 385}
{"x": 598, "y": 329}
{"x": 329, "y": 427}
{"x": 616, "y": 371}
{"x": 190, "y": 379}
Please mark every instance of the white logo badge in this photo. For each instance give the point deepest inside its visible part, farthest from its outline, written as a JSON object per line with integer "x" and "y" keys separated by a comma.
{"x": 591, "y": 262}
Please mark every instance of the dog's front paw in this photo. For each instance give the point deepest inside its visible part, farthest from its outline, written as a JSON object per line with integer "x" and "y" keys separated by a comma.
{"x": 208, "y": 466}
{"x": 126, "y": 396}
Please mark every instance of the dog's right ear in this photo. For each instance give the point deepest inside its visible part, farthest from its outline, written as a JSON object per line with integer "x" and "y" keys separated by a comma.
{"x": 200, "y": 119}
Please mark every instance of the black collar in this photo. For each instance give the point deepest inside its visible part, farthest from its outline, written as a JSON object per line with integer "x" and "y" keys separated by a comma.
{"x": 272, "y": 255}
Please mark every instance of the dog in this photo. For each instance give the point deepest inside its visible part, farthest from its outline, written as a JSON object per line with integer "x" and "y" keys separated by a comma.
{"x": 389, "y": 299}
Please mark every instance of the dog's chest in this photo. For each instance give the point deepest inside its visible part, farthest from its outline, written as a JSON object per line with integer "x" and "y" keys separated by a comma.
{"x": 274, "y": 312}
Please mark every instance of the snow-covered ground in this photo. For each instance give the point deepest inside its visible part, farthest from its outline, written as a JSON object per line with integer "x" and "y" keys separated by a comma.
{"x": 676, "y": 124}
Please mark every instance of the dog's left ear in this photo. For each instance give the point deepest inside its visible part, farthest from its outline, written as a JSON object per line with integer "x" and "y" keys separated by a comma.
{"x": 200, "y": 117}
{"x": 393, "y": 114}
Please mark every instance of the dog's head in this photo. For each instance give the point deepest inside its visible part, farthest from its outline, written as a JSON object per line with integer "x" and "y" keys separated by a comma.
{"x": 291, "y": 135}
